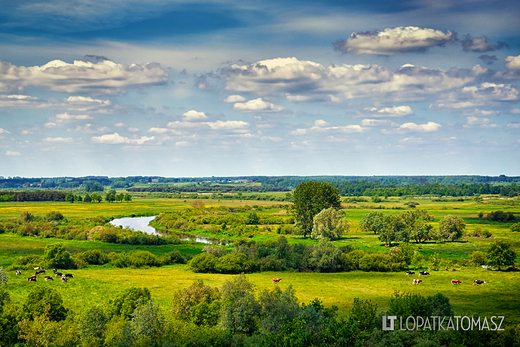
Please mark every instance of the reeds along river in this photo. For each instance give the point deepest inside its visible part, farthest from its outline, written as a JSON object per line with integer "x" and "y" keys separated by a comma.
{"x": 143, "y": 224}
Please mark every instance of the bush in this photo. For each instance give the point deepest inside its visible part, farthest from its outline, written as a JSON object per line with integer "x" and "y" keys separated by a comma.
{"x": 125, "y": 302}
{"x": 515, "y": 227}
{"x": 3, "y": 277}
{"x": 44, "y": 300}
{"x": 203, "y": 263}
{"x": 56, "y": 256}
{"x": 234, "y": 263}
{"x": 26, "y": 262}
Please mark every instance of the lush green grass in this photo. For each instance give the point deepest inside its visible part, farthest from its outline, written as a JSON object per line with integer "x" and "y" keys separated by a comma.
{"x": 95, "y": 285}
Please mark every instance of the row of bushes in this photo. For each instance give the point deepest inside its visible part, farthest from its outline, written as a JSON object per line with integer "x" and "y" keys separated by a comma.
{"x": 56, "y": 256}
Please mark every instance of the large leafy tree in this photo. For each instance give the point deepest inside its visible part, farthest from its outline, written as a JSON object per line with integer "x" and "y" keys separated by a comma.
{"x": 309, "y": 198}
{"x": 329, "y": 223}
{"x": 416, "y": 224}
{"x": 56, "y": 256}
{"x": 44, "y": 301}
{"x": 451, "y": 228}
{"x": 501, "y": 254}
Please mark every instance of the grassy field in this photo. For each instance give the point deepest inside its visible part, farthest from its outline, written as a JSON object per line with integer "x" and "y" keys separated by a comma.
{"x": 95, "y": 284}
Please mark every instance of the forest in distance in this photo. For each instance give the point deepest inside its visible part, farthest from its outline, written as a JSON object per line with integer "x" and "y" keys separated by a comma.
{"x": 311, "y": 266}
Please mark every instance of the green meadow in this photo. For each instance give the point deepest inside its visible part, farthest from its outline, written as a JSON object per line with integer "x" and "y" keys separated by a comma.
{"x": 97, "y": 284}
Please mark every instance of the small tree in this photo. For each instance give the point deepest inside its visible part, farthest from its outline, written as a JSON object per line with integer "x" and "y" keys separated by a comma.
{"x": 56, "y": 256}
{"x": 364, "y": 312}
{"x": 3, "y": 277}
{"x": 87, "y": 198}
{"x": 185, "y": 299}
{"x": 451, "y": 228}
{"x": 44, "y": 301}
{"x": 277, "y": 308}
{"x": 92, "y": 326}
{"x": 478, "y": 258}
{"x": 69, "y": 198}
{"x": 329, "y": 223}
{"x": 501, "y": 254}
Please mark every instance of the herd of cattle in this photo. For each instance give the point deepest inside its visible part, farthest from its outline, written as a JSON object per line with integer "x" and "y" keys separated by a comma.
{"x": 39, "y": 271}
{"x": 453, "y": 282}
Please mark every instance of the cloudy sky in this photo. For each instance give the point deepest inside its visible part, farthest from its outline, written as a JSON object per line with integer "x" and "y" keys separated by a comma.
{"x": 222, "y": 87}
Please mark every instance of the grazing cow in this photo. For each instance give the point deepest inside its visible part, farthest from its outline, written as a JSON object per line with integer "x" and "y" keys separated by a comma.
{"x": 455, "y": 282}
{"x": 408, "y": 273}
{"x": 18, "y": 272}
{"x": 276, "y": 280}
{"x": 58, "y": 274}
{"x": 63, "y": 279}
{"x": 36, "y": 268}
{"x": 32, "y": 279}
{"x": 69, "y": 275}
{"x": 40, "y": 272}
{"x": 423, "y": 273}
{"x": 49, "y": 278}
{"x": 416, "y": 281}
{"x": 479, "y": 282}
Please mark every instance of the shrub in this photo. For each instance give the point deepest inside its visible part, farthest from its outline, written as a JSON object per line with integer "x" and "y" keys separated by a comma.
{"x": 44, "y": 300}
{"x": 515, "y": 227}
{"x": 234, "y": 263}
{"x": 203, "y": 263}
{"x": 125, "y": 302}
{"x": 56, "y": 256}
{"x": 3, "y": 277}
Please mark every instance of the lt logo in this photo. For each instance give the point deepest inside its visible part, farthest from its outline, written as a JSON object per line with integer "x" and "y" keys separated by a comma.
{"x": 391, "y": 319}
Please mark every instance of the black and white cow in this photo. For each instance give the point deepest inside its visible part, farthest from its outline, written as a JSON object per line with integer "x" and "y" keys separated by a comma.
{"x": 477, "y": 282}
{"x": 423, "y": 273}
{"x": 49, "y": 278}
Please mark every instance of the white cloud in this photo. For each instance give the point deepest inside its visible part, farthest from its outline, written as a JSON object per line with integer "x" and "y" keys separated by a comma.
{"x": 3, "y": 131}
{"x": 182, "y": 143}
{"x": 89, "y": 129}
{"x": 115, "y": 138}
{"x": 483, "y": 122}
{"x": 513, "y": 63}
{"x": 57, "y": 139}
{"x": 133, "y": 130}
{"x": 12, "y": 153}
{"x": 71, "y": 104}
{"x": 392, "y": 41}
{"x": 119, "y": 125}
{"x": 514, "y": 125}
{"x": 105, "y": 77}
{"x": 321, "y": 126}
{"x": 218, "y": 125}
{"x": 411, "y": 140}
{"x": 66, "y": 117}
{"x": 194, "y": 116}
{"x": 375, "y": 122}
{"x": 234, "y": 98}
{"x": 309, "y": 81}
{"x": 412, "y": 127}
{"x": 475, "y": 96}
{"x": 396, "y": 111}
{"x": 257, "y": 105}
{"x": 158, "y": 130}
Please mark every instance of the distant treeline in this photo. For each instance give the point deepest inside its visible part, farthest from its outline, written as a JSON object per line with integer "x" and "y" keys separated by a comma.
{"x": 208, "y": 189}
{"x": 42, "y": 195}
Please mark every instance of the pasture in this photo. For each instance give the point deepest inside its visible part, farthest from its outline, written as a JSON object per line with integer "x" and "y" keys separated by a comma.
{"x": 97, "y": 284}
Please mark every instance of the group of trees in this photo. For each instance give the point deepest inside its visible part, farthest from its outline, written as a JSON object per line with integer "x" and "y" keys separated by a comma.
{"x": 111, "y": 196}
{"x": 412, "y": 225}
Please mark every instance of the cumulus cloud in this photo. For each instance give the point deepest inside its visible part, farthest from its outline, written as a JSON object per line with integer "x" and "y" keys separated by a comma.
{"x": 376, "y": 122}
{"x": 71, "y": 104}
{"x": 483, "y": 122}
{"x": 321, "y": 126}
{"x": 513, "y": 63}
{"x": 257, "y": 105}
{"x": 480, "y": 44}
{"x": 104, "y": 77}
{"x": 57, "y": 139}
{"x": 194, "y": 116}
{"x": 115, "y": 139}
{"x": 514, "y": 125}
{"x": 412, "y": 127}
{"x": 411, "y": 140}
{"x": 395, "y": 111}
{"x": 393, "y": 41}
{"x": 63, "y": 117}
{"x": 3, "y": 131}
{"x": 234, "y": 98}
{"x": 218, "y": 125}
{"x": 307, "y": 81}
{"x": 158, "y": 130}
{"x": 89, "y": 129}
{"x": 11, "y": 153}
{"x": 474, "y": 96}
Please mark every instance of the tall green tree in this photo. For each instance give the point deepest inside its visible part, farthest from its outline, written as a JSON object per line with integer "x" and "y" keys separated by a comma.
{"x": 309, "y": 198}
{"x": 329, "y": 223}
{"x": 501, "y": 254}
{"x": 416, "y": 224}
{"x": 451, "y": 228}
{"x": 44, "y": 301}
{"x": 56, "y": 256}
{"x": 69, "y": 198}
{"x": 240, "y": 310}
{"x": 92, "y": 327}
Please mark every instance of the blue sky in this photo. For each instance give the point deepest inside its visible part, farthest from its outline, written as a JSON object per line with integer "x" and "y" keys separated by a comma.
{"x": 227, "y": 88}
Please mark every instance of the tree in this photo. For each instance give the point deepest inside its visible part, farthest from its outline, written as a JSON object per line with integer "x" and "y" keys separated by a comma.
{"x": 87, "y": 198}
{"x": 125, "y": 302}
{"x": 127, "y": 197}
{"x": 501, "y": 254}
{"x": 110, "y": 197}
{"x": 3, "y": 277}
{"x": 371, "y": 221}
{"x": 451, "y": 228}
{"x": 96, "y": 198}
{"x": 390, "y": 228}
{"x": 416, "y": 224}
{"x": 44, "y": 301}
{"x": 54, "y": 216}
{"x": 56, "y": 256}
{"x": 252, "y": 218}
{"x": 277, "y": 308}
{"x": 364, "y": 312}
{"x": 326, "y": 257}
{"x": 92, "y": 326}
{"x": 185, "y": 299}
{"x": 329, "y": 223}
{"x": 515, "y": 227}
{"x": 69, "y": 198}
{"x": 309, "y": 198}
{"x": 240, "y": 310}
{"x": 147, "y": 324}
